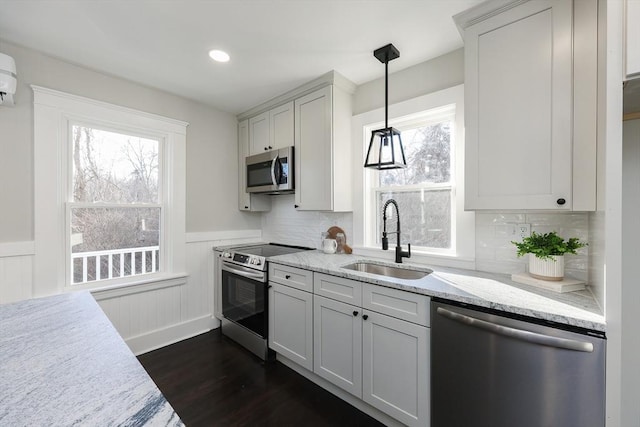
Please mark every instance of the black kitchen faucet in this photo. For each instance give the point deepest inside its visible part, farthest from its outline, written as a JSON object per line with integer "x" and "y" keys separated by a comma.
{"x": 385, "y": 240}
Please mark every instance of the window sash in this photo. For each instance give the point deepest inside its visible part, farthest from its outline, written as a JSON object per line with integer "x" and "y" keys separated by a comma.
{"x": 71, "y": 204}
{"x": 376, "y": 214}
{"x": 445, "y": 113}
{"x": 157, "y": 257}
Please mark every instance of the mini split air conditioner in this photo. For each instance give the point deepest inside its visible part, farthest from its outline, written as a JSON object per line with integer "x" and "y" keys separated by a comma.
{"x": 8, "y": 81}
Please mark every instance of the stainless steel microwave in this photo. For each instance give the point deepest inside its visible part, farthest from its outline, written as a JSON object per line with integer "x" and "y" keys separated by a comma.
{"x": 270, "y": 172}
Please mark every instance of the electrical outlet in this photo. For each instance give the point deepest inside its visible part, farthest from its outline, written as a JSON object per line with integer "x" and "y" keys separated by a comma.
{"x": 523, "y": 230}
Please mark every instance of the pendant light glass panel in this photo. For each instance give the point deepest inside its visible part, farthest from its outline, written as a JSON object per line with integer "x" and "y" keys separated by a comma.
{"x": 385, "y": 150}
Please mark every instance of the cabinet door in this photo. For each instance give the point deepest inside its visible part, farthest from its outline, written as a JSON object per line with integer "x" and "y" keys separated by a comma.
{"x": 518, "y": 108}
{"x": 281, "y": 126}
{"x": 247, "y": 201}
{"x": 337, "y": 339}
{"x": 291, "y": 323}
{"x": 259, "y": 133}
{"x": 632, "y": 46}
{"x": 244, "y": 198}
{"x": 395, "y": 368}
{"x": 313, "y": 151}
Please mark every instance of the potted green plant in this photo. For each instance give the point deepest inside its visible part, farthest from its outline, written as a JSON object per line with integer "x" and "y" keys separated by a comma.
{"x": 548, "y": 251}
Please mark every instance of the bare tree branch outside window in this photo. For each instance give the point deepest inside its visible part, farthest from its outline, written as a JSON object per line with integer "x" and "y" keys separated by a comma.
{"x": 423, "y": 190}
{"x": 115, "y": 199}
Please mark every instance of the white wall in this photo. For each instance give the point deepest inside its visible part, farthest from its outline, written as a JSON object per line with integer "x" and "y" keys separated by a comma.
{"x": 211, "y": 144}
{"x": 427, "y": 77}
{"x": 150, "y": 316}
{"x": 630, "y": 280}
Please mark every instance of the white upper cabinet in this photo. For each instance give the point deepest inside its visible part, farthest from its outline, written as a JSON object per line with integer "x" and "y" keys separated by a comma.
{"x": 281, "y": 126}
{"x": 272, "y": 129}
{"x": 632, "y": 38}
{"x": 323, "y": 150}
{"x": 247, "y": 201}
{"x": 526, "y": 145}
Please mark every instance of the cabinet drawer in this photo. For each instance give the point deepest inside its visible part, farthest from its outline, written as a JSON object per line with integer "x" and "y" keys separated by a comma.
{"x": 338, "y": 288}
{"x": 396, "y": 303}
{"x": 291, "y": 276}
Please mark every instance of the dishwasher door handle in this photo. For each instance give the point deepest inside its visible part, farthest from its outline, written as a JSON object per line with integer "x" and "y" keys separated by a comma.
{"x": 518, "y": 334}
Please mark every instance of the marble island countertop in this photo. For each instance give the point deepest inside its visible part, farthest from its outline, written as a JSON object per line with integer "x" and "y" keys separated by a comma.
{"x": 63, "y": 363}
{"x": 497, "y": 291}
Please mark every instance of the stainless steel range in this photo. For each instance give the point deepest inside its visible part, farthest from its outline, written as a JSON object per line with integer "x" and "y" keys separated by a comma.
{"x": 244, "y": 294}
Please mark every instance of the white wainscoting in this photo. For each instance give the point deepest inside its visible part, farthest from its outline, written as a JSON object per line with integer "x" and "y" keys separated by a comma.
{"x": 158, "y": 317}
{"x": 147, "y": 317}
{"x": 16, "y": 271}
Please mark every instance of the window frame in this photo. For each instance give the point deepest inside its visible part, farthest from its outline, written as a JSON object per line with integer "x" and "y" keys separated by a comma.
{"x": 54, "y": 114}
{"x": 373, "y": 220}
{"x": 462, "y": 253}
{"x": 70, "y": 204}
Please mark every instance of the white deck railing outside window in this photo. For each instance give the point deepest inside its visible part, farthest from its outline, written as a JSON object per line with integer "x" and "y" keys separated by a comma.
{"x": 112, "y": 264}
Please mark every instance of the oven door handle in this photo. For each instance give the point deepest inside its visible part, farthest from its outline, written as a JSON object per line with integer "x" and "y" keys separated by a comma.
{"x": 244, "y": 272}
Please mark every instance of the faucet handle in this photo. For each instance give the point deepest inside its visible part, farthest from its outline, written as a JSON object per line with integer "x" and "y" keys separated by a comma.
{"x": 408, "y": 250}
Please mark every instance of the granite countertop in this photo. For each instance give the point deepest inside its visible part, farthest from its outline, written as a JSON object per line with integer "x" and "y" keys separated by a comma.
{"x": 497, "y": 291}
{"x": 63, "y": 363}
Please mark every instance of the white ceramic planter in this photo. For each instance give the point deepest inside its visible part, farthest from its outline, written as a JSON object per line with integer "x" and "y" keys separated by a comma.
{"x": 547, "y": 269}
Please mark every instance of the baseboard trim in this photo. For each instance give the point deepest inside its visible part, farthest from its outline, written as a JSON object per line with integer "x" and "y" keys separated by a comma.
{"x": 159, "y": 338}
{"x": 347, "y": 397}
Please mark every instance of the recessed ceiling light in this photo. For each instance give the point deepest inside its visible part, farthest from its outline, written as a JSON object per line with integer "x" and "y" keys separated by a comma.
{"x": 219, "y": 55}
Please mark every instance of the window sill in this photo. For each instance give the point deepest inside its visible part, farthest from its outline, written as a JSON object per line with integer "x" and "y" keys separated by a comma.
{"x": 146, "y": 284}
{"x": 419, "y": 257}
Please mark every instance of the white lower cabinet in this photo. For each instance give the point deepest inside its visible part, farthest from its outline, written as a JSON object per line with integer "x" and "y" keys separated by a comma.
{"x": 379, "y": 354}
{"x": 395, "y": 368}
{"x": 338, "y": 343}
{"x": 291, "y": 323}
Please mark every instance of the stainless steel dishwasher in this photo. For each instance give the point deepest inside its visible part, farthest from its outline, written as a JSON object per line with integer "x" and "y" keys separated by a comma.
{"x": 494, "y": 371}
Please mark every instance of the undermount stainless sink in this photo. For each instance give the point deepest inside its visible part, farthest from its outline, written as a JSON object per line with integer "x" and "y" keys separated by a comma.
{"x": 387, "y": 270}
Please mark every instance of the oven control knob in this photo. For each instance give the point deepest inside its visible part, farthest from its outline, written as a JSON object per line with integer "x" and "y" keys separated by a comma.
{"x": 226, "y": 255}
{"x": 257, "y": 261}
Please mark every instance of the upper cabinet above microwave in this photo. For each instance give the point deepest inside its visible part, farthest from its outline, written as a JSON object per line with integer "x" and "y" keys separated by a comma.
{"x": 272, "y": 129}
{"x": 530, "y": 104}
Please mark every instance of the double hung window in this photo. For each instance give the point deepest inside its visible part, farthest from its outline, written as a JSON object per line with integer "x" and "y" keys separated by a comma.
{"x": 109, "y": 195}
{"x": 115, "y": 209}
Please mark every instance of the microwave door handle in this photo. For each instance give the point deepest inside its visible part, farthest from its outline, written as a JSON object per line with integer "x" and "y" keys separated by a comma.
{"x": 273, "y": 170}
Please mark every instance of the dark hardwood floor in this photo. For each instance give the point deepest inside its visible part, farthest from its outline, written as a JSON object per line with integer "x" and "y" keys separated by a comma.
{"x": 212, "y": 381}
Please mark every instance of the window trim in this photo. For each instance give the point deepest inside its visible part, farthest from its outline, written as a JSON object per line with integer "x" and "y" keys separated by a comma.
{"x": 54, "y": 112}
{"x": 464, "y": 223}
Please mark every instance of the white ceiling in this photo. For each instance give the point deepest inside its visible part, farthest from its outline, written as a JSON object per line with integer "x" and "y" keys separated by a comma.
{"x": 275, "y": 45}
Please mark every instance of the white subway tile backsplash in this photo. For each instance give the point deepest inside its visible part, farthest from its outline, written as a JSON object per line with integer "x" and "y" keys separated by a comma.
{"x": 284, "y": 224}
{"x": 495, "y": 230}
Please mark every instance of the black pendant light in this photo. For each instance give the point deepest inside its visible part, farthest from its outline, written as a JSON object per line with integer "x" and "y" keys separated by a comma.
{"x": 385, "y": 147}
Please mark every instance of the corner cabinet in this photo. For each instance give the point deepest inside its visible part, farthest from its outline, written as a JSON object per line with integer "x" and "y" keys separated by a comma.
{"x": 323, "y": 150}
{"x": 530, "y": 104}
{"x": 247, "y": 201}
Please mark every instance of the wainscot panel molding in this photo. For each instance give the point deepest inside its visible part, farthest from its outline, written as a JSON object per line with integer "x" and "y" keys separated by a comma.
{"x": 16, "y": 271}
{"x": 157, "y": 314}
